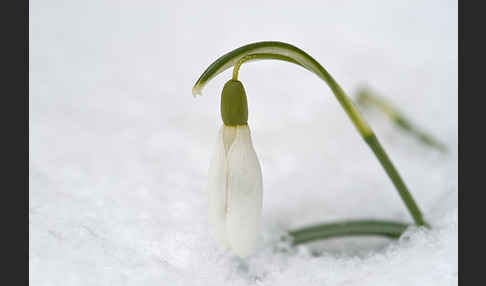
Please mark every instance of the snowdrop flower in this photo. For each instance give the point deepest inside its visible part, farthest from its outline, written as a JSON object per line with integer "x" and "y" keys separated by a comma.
{"x": 235, "y": 179}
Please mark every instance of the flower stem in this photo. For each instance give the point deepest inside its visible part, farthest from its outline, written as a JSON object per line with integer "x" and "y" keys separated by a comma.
{"x": 263, "y": 56}
{"x": 397, "y": 181}
{"x": 290, "y": 53}
{"x": 389, "y": 229}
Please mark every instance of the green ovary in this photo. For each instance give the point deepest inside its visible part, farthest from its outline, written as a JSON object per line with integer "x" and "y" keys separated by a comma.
{"x": 234, "y": 106}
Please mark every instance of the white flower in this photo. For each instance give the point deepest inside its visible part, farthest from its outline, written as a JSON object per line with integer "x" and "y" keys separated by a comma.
{"x": 235, "y": 191}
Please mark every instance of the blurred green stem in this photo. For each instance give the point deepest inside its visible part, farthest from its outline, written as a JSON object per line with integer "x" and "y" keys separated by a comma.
{"x": 366, "y": 97}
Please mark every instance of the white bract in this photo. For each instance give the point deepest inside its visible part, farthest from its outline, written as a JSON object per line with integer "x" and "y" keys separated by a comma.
{"x": 235, "y": 191}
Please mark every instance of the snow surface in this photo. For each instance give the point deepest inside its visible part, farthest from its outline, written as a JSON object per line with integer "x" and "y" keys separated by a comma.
{"x": 119, "y": 148}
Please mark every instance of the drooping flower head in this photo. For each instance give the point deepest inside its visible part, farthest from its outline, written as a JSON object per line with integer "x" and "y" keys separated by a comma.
{"x": 235, "y": 179}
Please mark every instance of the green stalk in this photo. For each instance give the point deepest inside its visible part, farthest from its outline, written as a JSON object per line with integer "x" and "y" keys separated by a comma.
{"x": 397, "y": 181}
{"x": 384, "y": 228}
{"x": 290, "y": 53}
{"x": 255, "y": 57}
{"x": 365, "y": 97}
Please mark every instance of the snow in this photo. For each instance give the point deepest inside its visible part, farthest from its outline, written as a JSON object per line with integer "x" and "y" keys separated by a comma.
{"x": 119, "y": 148}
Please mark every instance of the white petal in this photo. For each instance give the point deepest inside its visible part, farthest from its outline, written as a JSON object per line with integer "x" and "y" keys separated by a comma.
{"x": 244, "y": 191}
{"x": 217, "y": 192}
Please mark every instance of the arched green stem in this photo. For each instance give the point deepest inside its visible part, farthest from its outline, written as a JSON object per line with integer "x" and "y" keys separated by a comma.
{"x": 284, "y": 51}
{"x": 263, "y": 56}
{"x": 384, "y": 228}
